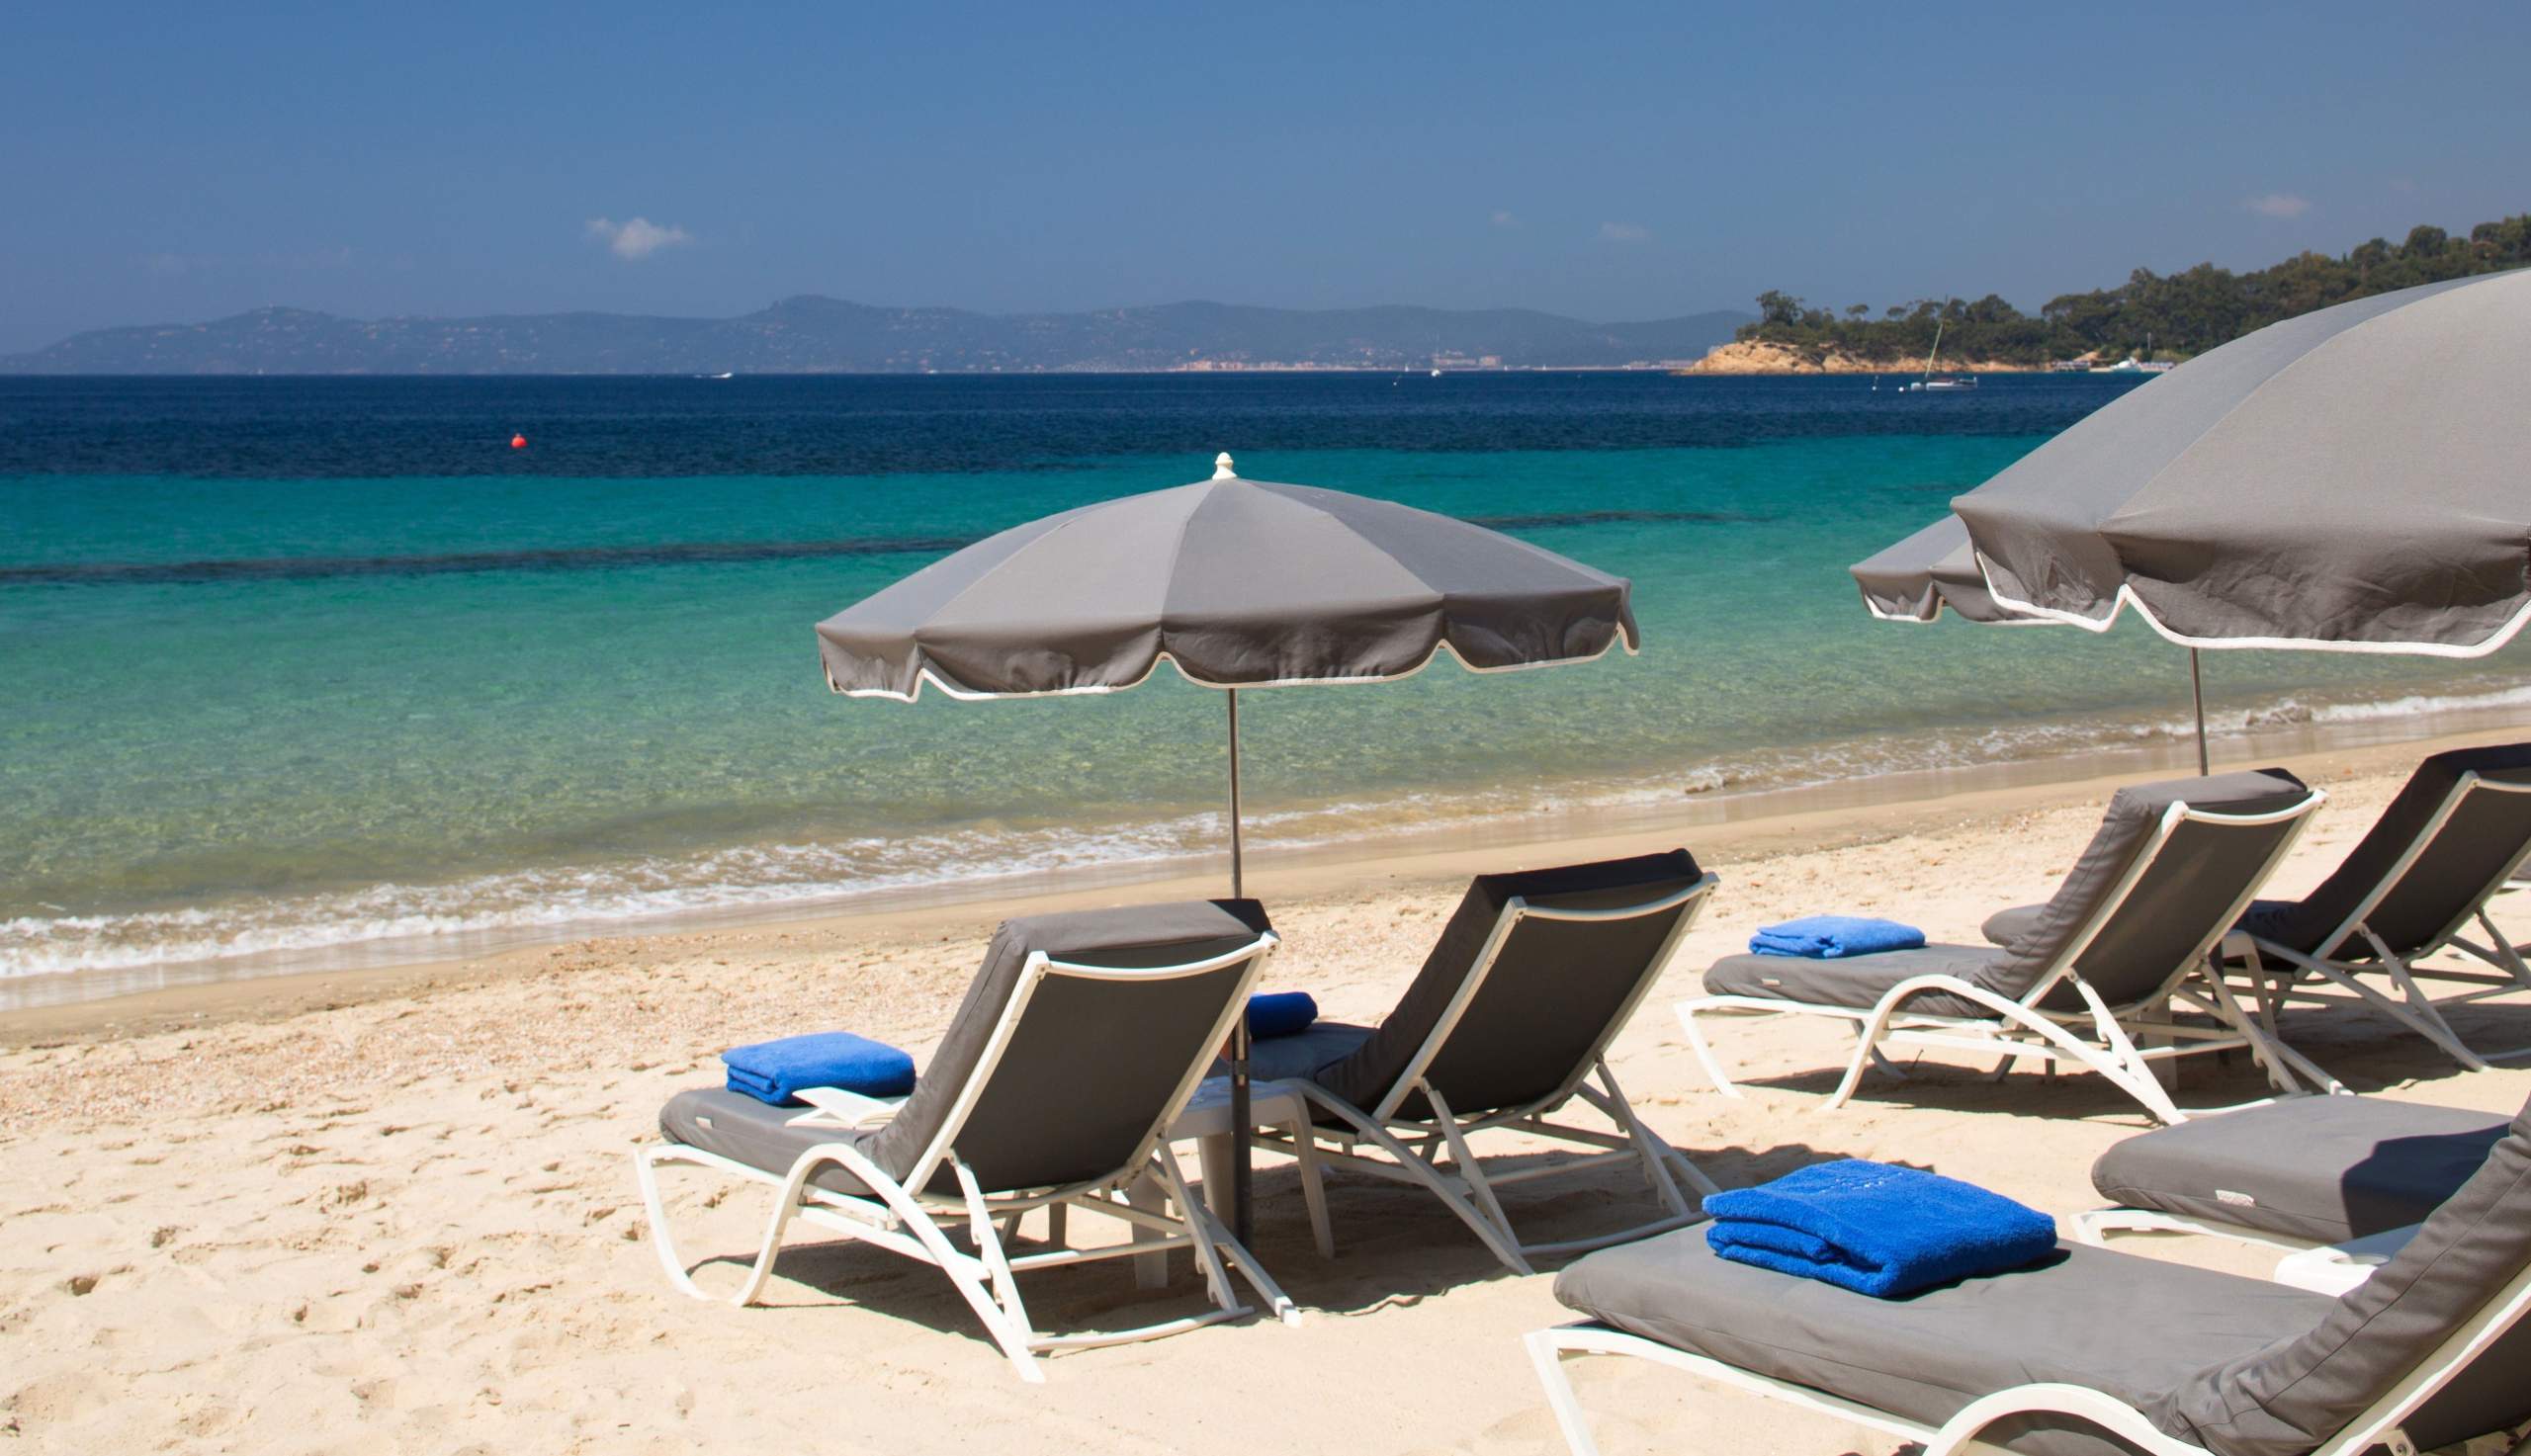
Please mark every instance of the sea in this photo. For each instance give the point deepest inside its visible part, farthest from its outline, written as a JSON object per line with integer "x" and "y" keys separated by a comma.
{"x": 306, "y": 673}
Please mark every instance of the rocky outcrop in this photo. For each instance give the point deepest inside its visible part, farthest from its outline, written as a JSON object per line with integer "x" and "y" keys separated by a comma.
{"x": 1758, "y": 356}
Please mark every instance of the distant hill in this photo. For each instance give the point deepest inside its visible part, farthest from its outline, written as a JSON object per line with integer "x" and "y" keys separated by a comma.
{"x": 817, "y": 335}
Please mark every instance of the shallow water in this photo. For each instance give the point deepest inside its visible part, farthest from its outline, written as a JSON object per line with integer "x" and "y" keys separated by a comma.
{"x": 309, "y": 665}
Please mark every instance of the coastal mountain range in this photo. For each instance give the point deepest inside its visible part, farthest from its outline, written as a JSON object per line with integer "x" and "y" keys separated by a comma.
{"x": 810, "y": 334}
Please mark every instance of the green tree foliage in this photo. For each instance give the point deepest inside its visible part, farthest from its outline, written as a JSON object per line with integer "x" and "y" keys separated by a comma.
{"x": 2181, "y": 313}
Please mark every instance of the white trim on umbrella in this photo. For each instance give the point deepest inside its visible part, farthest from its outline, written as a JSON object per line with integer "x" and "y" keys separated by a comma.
{"x": 2126, "y": 597}
{"x": 1617, "y": 638}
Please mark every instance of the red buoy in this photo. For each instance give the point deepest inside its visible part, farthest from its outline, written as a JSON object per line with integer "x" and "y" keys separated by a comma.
{"x": 518, "y": 442}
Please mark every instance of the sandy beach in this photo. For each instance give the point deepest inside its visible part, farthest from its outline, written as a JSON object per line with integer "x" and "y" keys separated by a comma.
{"x": 395, "y": 1209}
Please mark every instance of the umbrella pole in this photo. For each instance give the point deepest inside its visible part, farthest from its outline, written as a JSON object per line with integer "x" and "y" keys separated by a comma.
{"x": 1235, "y": 886}
{"x": 1240, "y": 1220}
{"x": 2196, "y": 696}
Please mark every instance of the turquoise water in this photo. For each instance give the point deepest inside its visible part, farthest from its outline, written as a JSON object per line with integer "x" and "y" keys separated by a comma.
{"x": 254, "y": 715}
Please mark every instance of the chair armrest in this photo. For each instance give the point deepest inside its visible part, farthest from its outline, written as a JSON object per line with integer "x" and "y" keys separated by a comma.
{"x": 2335, "y": 1268}
{"x": 835, "y": 1107}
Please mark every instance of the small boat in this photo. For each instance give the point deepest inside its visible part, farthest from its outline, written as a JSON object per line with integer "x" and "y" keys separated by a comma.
{"x": 1436, "y": 374}
{"x": 1949, "y": 382}
{"x": 2129, "y": 365}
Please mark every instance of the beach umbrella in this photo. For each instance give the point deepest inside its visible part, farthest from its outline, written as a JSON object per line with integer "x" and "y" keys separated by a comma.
{"x": 1916, "y": 578}
{"x": 1238, "y": 584}
{"x": 2352, "y": 479}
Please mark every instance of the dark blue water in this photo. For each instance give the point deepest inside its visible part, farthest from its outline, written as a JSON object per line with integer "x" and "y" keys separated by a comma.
{"x": 861, "y": 425}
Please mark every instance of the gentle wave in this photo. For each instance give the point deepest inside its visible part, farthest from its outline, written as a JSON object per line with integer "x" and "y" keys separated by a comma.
{"x": 672, "y": 553}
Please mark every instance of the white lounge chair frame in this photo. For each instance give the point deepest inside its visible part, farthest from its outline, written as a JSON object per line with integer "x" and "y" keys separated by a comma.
{"x": 2095, "y": 1226}
{"x": 2379, "y": 1425}
{"x": 2413, "y": 1008}
{"x": 918, "y": 1225}
{"x": 1413, "y": 1146}
{"x": 2021, "y": 1027}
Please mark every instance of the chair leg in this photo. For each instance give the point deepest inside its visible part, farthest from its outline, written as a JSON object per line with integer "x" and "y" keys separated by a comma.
{"x": 1212, "y": 1241}
{"x": 1656, "y": 1154}
{"x": 1865, "y": 1051}
{"x": 1304, "y": 1151}
{"x": 1424, "y": 1172}
{"x": 2419, "y": 1013}
{"x": 2124, "y": 1065}
{"x": 1151, "y": 1270}
{"x": 1464, "y": 1164}
{"x": 1560, "y": 1398}
{"x": 1704, "y": 1053}
{"x": 969, "y": 1275}
{"x": 759, "y": 1271}
{"x": 2279, "y": 1061}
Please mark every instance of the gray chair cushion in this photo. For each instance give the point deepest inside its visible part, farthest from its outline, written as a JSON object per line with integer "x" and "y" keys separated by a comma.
{"x": 744, "y": 1130}
{"x": 2127, "y": 1326}
{"x": 2439, "y": 888}
{"x": 2474, "y": 846}
{"x": 2003, "y": 927}
{"x": 1275, "y": 1058}
{"x": 1071, "y": 1096}
{"x": 2184, "y": 899}
{"x": 1127, "y": 935}
{"x": 1859, "y": 982}
{"x": 2320, "y": 1169}
{"x": 2171, "y": 909}
{"x": 1546, "y": 999}
{"x": 2284, "y": 1399}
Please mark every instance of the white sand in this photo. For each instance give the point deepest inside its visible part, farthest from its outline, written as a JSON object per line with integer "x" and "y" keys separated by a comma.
{"x": 407, "y": 1220}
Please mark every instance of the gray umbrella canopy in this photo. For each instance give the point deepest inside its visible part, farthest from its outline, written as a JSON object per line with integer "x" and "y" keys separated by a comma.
{"x": 2357, "y": 479}
{"x": 1240, "y": 583}
{"x": 1916, "y": 578}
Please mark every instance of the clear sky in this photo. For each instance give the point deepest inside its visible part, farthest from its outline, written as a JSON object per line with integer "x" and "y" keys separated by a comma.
{"x": 180, "y": 162}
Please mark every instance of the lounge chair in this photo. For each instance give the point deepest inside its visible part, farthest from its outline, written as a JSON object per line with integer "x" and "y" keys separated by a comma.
{"x": 2451, "y": 840}
{"x": 2295, "y": 1174}
{"x": 2128, "y": 933}
{"x": 1509, "y": 1020}
{"x": 2099, "y": 1352}
{"x": 1079, "y": 1041}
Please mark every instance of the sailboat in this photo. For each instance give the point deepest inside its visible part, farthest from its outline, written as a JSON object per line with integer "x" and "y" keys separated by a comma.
{"x": 1948, "y": 382}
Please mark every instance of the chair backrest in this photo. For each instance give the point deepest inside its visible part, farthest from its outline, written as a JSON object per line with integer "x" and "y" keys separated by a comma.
{"x": 1080, "y": 1037}
{"x": 2459, "y": 827}
{"x": 2429, "y": 1342}
{"x": 1531, "y": 978}
{"x": 2172, "y": 867}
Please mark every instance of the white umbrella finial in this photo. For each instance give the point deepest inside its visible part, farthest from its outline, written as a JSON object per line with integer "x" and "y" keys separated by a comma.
{"x": 1221, "y": 467}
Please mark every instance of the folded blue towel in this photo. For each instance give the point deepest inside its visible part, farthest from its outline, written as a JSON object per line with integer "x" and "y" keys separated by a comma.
{"x": 1827, "y": 937}
{"x": 772, "y": 1071}
{"x": 1281, "y": 1013}
{"x": 1876, "y": 1228}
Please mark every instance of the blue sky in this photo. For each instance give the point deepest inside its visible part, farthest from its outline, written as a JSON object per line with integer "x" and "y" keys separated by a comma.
{"x": 179, "y": 163}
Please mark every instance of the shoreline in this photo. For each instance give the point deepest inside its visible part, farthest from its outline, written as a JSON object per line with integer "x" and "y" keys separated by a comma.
{"x": 308, "y": 935}
{"x": 1720, "y": 829}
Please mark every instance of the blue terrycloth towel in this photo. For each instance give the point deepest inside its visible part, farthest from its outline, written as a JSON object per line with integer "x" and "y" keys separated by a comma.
{"x": 772, "y": 1071}
{"x": 1827, "y": 937}
{"x": 1281, "y": 1013}
{"x": 1876, "y": 1228}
